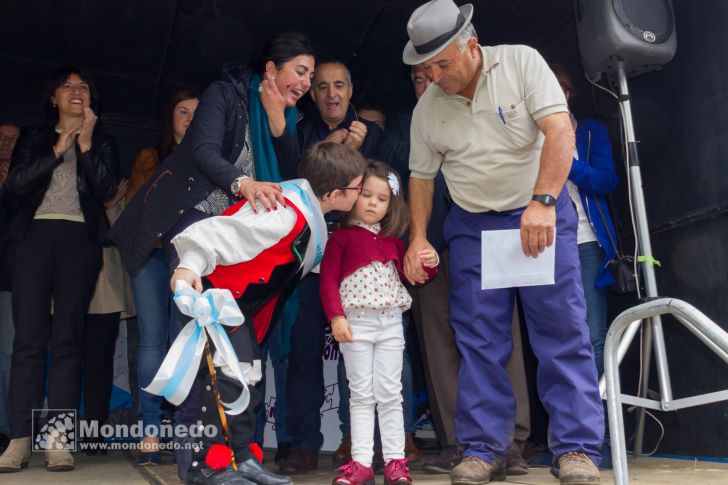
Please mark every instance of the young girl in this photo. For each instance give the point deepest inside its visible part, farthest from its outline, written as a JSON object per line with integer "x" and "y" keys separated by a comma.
{"x": 363, "y": 298}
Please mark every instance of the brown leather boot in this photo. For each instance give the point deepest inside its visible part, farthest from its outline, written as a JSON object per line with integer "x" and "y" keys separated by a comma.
{"x": 343, "y": 452}
{"x": 16, "y": 456}
{"x": 576, "y": 467}
{"x": 448, "y": 458}
{"x": 299, "y": 461}
{"x": 59, "y": 460}
{"x": 411, "y": 452}
{"x": 472, "y": 470}
{"x": 515, "y": 464}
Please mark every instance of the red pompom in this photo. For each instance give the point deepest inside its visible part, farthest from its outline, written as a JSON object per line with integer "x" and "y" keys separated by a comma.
{"x": 256, "y": 451}
{"x": 218, "y": 457}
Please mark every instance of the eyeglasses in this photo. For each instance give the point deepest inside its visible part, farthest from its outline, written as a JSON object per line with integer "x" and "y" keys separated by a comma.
{"x": 358, "y": 188}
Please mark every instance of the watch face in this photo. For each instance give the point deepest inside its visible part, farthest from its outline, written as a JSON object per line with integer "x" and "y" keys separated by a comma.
{"x": 545, "y": 199}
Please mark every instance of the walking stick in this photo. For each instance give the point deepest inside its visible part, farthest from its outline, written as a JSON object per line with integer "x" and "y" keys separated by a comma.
{"x": 218, "y": 402}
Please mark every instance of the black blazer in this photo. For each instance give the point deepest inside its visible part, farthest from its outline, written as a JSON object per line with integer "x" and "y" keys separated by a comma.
{"x": 312, "y": 129}
{"x": 31, "y": 170}
{"x": 203, "y": 162}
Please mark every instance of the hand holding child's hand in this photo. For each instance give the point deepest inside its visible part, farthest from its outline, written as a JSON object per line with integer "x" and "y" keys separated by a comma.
{"x": 341, "y": 330}
{"x": 428, "y": 257}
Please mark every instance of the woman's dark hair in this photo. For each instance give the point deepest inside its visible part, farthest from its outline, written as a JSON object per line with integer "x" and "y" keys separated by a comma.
{"x": 562, "y": 75}
{"x": 329, "y": 166}
{"x": 58, "y": 78}
{"x": 396, "y": 220}
{"x": 283, "y": 47}
{"x": 167, "y": 143}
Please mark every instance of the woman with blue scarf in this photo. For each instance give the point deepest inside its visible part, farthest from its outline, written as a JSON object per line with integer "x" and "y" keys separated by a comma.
{"x": 241, "y": 143}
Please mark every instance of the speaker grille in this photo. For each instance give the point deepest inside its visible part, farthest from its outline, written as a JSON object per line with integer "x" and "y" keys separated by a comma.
{"x": 648, "y": 20}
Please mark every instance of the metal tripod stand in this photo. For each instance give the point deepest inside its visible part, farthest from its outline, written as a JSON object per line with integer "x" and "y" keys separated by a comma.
{"x": 648, "y": 314}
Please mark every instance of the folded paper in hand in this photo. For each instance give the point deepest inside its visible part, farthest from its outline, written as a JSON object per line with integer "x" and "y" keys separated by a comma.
{"x": 503, "y": 264}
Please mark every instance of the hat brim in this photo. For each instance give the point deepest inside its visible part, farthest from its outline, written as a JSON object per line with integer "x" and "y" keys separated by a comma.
{"x": 412, "y": 58}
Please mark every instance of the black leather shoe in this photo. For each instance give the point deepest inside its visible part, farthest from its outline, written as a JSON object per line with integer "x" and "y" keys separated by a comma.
{"x": 207, "y": 476}
{"x": 252, "y": 470}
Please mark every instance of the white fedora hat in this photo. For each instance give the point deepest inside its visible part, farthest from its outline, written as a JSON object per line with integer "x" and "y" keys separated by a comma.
{"x": 432, "y": 26}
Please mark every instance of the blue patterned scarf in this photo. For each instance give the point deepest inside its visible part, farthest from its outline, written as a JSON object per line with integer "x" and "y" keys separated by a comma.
{"x": 264, "y": 155}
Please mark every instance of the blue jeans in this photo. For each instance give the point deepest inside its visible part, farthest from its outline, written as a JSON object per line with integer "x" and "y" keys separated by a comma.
{"x": 408, "y": 405}
{"x": 7, "y": 331}
{"x": 158, "y": 325}
{"x": 273, "y": 345}
{"x": 591, "y": 257}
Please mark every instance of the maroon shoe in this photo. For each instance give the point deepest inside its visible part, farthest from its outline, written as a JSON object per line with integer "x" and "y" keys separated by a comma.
{"x": 396, "y": 472}
{"x": 354, "y": 473}
{"x": 299, "y": 461}
{"x": 342, "y": 454}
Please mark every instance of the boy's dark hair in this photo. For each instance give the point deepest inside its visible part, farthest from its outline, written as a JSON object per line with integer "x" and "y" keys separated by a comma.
{"x": 396, "y": 219}
{"x": 329, "y": 166}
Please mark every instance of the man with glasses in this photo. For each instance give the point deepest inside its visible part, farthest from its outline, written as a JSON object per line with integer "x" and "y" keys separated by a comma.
{"x": 8, "y": 136}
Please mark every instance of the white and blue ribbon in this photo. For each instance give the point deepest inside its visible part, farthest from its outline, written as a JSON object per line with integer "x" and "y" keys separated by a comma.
{"x": 209, "y": 310}
{"x": 317, "y": 224}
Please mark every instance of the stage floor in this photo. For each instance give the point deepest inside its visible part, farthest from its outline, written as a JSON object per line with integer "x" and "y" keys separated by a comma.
{"x": 120, "y": 468}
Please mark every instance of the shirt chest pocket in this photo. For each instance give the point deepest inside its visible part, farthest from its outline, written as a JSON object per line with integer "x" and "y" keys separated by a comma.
{"x": 519, "y": 128}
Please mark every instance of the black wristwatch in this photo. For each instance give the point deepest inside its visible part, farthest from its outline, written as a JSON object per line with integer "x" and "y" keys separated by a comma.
{"x": 545, "y": 199}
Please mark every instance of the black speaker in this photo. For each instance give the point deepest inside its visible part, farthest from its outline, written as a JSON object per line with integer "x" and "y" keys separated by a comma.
{"x": 639, "y": 32}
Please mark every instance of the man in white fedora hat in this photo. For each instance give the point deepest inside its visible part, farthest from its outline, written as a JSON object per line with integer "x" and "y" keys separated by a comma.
{"x": 496, "y": 123}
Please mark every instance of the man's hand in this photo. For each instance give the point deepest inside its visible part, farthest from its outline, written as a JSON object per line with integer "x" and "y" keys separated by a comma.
{"x": 538, "y": 226}
{"x": 337, "y": 136}
{"x": 341, "y": 330}
{"x": 270, "y": 194}
{"x": 357, "y": 133}
{"x": 413, "y": 269}
{"x": 189, "y": 276}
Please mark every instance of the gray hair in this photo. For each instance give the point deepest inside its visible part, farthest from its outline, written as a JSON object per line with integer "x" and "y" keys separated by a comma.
{"x": 464, "y": 36}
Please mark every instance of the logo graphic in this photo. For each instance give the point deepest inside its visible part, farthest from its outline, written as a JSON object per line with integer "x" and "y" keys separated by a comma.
{"x": 649, "y": 36}
{"x": 58, "y": 433}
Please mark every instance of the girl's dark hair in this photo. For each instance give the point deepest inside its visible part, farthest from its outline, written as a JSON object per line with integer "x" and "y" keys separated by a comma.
{"x": 167, "y": 143}
{"x": 329, "y": 166}
{"x": 396, "y": 220}
{"x": 283, "y": 47}
{"x": 562, "y": 75}
{"x": 57, "y": 79}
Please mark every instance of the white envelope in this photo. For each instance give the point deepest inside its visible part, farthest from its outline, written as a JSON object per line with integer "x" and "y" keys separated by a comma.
{"x": 503, "y": 264}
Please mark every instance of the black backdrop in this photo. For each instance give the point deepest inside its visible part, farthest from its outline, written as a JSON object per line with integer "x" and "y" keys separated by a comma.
{"x": 139, "y": 52}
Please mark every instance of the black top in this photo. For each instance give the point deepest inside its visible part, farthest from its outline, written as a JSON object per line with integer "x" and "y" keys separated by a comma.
{"x": 203, "y": 162}
{"x": 31, "y": 171}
